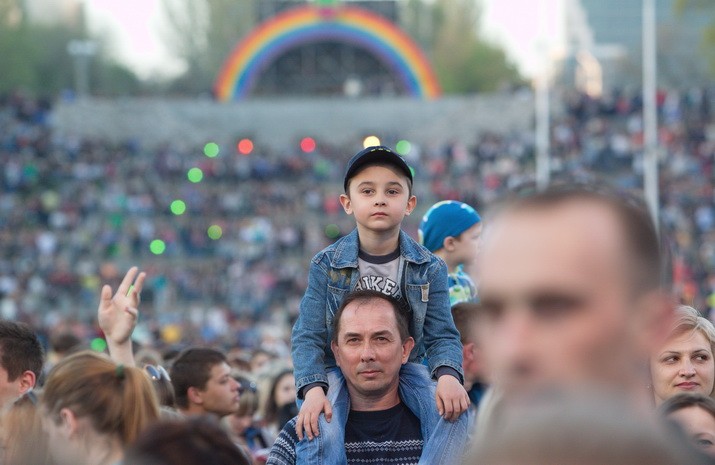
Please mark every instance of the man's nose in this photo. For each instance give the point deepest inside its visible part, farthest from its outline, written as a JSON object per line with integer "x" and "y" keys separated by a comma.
{"x": 368, "y": 353}
{"x": 514, "y": 339}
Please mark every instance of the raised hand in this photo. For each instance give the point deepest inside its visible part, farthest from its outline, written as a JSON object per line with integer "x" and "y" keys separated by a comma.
{"x": 117, "y": 315}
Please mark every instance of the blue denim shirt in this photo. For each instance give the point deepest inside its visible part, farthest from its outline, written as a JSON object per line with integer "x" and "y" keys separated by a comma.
{"x": 334, "y": 273}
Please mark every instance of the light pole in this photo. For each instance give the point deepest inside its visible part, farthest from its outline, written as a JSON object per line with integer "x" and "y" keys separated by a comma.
{"x": 81, "y": 51}
{"x": 542, "y": 107}
{"x": 650, "y": 116}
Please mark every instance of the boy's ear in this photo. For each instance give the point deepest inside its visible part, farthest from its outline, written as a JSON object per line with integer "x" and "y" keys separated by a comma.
{"x": 347, "y": 205}
{"x": 448, "y": 243}
{"x": 411, "y": 204}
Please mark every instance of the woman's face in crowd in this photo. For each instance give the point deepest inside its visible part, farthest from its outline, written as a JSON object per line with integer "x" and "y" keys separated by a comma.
{"x": 285, "y": 390}
{"x": 699, "y": 425}
{"x": 683, "y": 364}
{"x": 239, "y": 423}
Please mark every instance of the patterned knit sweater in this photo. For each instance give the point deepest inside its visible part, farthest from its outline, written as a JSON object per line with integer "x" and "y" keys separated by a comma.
{"x": 389, "y": 436}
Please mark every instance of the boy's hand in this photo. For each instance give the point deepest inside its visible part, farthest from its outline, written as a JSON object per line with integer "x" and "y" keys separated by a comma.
{"x": 452, "y": 399}
{"x": 314, "y": 404}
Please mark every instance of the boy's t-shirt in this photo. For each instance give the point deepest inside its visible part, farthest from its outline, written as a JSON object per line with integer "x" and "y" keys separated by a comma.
{"x": 461, "y": 287}
{"x": 380, "y": 273}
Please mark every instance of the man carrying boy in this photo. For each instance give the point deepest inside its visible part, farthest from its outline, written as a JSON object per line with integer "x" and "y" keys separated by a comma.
{"x": 385, "y": 420}
{"x": 377, "y": 255}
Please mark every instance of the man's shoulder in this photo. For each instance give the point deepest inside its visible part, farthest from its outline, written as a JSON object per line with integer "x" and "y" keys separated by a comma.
{"x": 283, "y": 449}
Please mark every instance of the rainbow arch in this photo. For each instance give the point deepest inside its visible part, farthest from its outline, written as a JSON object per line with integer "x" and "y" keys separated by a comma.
{"x": 310, "y": 24}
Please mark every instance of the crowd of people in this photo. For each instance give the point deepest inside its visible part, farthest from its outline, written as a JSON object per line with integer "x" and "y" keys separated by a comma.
{"x": 574, "y": 290}
{"x": 75, "y": 211}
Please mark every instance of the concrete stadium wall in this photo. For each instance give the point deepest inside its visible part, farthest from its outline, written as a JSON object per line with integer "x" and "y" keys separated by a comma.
{"x": 280, "y": 123}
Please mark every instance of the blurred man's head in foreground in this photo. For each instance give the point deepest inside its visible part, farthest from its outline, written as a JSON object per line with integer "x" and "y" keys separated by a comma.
{"x": 570, "y": 287}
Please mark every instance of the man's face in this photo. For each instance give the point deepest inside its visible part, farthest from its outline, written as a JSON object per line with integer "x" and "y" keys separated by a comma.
{"x": 369, "y": 351}
{"x": 555, "y": 293}
{"x": 9, "y": 390}
{"x": 220, "y": 396}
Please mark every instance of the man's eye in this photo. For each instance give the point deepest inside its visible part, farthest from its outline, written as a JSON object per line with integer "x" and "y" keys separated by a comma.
{"x": 554, "y": 307}
{"x": 704, "y": 442}
{"x": 491, "y": 312}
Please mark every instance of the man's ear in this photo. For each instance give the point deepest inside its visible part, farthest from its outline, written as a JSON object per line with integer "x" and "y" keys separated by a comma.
{"x": 194, "y": 395}
{"x": 347, "y": 205}
{"x": 336, "y": 354}
{"x": 467, "y": 353}
{"x": 655, "y": 314}
{"x": 411, "y": 204}
{"x": 406, "y": 349}
{"x": 27, "y": 381}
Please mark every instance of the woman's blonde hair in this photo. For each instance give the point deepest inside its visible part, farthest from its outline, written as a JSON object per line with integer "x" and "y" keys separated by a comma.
{"x": 689, "y": 319}
{"x": 23, "y": 438}
{"x": 119, "y": 400}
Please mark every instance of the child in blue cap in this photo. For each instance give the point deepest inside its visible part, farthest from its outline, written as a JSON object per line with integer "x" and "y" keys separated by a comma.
{"x": 451, "y": 230}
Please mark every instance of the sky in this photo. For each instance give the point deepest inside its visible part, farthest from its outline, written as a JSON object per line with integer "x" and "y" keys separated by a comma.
{"x": 134, "y": 28}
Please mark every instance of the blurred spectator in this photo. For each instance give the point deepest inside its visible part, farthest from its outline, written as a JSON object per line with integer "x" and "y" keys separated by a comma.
{"x": 21, "y": 359}
{"x": 22, "y": 438}
{"x": 695, "y": 413}
{"x": 584, "y": 431}
{"x": 93, "y": 409}
{"x": 73, "y": 211}
{"x": 243, "y": 426}
{"x": 203, "y": 384}
{"x": 194, "y": 441}
{"x": 278, "y": 401}
{"x": 684, "y": 363}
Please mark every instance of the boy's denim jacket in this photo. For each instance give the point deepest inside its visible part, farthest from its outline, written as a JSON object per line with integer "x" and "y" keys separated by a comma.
{"x": 334, "y": 273}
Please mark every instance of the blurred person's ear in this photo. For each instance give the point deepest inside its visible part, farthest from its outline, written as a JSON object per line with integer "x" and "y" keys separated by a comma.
{"x": 654, "y": 316}
{"x": 194, "y": 395}
{"x": 468, "y": 356}
{"x": 69, "y": 424}
{"x": 27, "y": 381}
{"x": 448, "y": 243}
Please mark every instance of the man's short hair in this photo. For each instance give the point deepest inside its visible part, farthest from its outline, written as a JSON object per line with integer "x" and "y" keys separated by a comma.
{"x": 367, "y": 295}
{"x": 20, "y": 350}
{"x": 192, "y": 368}
{"x": 465, "y": 315}
{"x": 639, "y": 232}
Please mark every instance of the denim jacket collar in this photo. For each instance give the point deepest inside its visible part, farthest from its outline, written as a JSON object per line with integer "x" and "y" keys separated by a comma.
{"x": 346, "y": 251}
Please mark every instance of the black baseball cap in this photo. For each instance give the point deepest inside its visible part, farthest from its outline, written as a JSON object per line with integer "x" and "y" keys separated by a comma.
{"x": 375, "y": 154}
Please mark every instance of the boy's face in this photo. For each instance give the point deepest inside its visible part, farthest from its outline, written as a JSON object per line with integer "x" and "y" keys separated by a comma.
{"x": 466, "y": 245}
{"x": 379, "y": 198}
